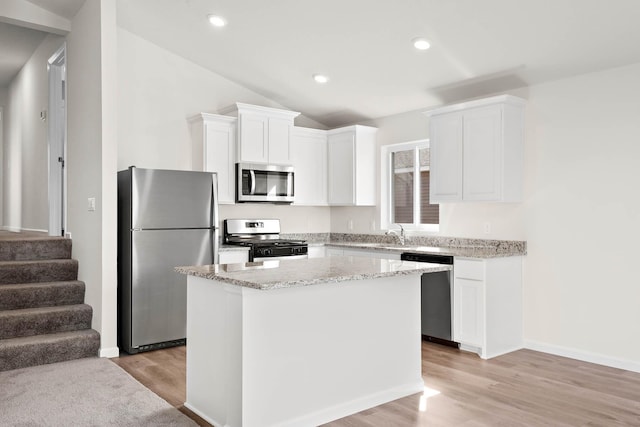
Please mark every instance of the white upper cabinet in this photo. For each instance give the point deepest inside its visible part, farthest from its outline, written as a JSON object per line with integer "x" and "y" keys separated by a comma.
{"x": 214, "y": 150}
{"x": 477, "y": 151}
{"x": 352, "y": 166}
{"x": 264, "y": 134}
{"x": 309, "y": 157}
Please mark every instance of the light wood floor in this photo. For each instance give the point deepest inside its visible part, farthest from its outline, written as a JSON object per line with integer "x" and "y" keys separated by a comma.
{"x": 523, "y": 388}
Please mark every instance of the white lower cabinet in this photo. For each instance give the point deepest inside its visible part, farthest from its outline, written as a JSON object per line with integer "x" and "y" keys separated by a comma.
{"x": 233, "y": 257}
{"x": 339, "y": 251}
{"x": 487, "y": 305}
{"x": 316, "y": 252}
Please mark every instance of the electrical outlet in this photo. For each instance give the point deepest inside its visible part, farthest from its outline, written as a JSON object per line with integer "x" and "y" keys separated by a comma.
{"x": 350, "y": 224}
{"x": 91, "y": 204}
{"x": 487, "y": 228}
{"x": 373, "y": 225}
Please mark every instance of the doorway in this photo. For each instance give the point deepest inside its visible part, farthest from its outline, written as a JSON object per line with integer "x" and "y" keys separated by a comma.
{"x": 57, "y": 141}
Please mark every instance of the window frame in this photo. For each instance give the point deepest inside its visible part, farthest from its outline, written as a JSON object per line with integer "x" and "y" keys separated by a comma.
{"x": 386, "y": 186}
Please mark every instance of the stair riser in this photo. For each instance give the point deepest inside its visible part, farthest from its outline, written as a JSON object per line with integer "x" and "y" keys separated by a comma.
{"x": 13, "y": 325}
{"x": 27, "y": 250}
{"x": 45, "y": 271}
{"x": 52, "y": 351}
{"x": 33, "y": 296}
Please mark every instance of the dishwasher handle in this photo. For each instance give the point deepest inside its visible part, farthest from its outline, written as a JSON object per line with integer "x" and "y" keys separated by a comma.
{"x": 420, "y": 257}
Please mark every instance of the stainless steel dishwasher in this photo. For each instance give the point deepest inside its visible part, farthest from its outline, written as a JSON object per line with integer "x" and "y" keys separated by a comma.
{"x": 436, "y": 293}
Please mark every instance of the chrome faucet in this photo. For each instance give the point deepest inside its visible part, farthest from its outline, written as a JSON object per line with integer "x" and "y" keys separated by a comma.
{"x": 400, "y": 235}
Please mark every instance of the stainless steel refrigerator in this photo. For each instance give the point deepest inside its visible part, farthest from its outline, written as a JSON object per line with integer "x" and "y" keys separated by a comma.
{"x": 166, "y": 218}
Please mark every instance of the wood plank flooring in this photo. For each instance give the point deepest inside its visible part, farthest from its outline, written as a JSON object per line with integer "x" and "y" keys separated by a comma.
{"x": 523, "y": 388}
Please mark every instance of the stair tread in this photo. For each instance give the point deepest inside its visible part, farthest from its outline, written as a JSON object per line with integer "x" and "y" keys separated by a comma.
{"x": 32, "y": 248}
{"x": 39, "y": 261}
{"x": 44, "y": 310}
{"x": 36, "y": 350}
{"x": 43, "y": 338}
{"x": 7, "y": 286}
{"x": 19, "y": 296}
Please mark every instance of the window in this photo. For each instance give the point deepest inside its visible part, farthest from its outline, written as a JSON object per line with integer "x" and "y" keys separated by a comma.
{"x": 405, "y": 187}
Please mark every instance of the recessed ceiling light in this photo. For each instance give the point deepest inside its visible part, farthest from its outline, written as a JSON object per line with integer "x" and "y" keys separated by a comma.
{"x": 421, "y": 43}
{"x": 320, "y": 78}
{"x": 217, "y": 21}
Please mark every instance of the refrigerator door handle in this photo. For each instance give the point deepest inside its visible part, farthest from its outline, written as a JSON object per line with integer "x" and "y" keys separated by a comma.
{"x": 214, "y": 219}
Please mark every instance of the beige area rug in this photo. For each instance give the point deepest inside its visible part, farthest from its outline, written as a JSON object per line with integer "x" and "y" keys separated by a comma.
{"x": 84, "y": 392}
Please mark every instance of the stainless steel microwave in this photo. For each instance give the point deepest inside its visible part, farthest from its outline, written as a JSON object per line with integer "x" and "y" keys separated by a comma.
{"x": 264, "y": 183}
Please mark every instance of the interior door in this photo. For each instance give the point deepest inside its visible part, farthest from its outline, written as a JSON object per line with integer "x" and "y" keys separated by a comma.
{"x": 56, "y": 136}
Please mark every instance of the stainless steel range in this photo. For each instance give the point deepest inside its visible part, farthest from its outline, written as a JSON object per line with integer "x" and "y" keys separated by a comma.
{"x": 262, "y": 236}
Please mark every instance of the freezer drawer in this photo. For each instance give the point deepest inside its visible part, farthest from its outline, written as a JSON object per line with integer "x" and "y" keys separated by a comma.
{"x": 158, "y": 295}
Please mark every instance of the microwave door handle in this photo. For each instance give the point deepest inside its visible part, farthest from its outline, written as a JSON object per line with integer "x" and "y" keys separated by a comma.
{"x": 290, "y": 184}
{"x": 252, "y": 174}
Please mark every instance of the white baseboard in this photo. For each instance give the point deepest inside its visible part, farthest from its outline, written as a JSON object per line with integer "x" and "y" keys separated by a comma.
{"x": 360, "y": 404}
{"x": 585, "y": 356}
{"x": 109, "y": 352}
{"x": 335, "y": 412}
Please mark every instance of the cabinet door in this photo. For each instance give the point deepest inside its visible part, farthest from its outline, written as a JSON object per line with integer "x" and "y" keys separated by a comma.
{"x": 233, "y": 257}
{"x": 316, "y": 252}
{"x": 279, "y": 141}
{"x": 219, "y": 157}
{"x": 468, "y": 311}
{"x": 253, "y": 141}
{"x": 445, "y": 142}
{"x": 482, "y": 172}
{"x": 341, "y": 165}
{"x": 309, "y": 157}
{"x": 333, "y": 252}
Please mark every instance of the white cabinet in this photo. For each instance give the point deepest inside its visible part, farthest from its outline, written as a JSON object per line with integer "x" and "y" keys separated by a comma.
{"x": 352, "y": 166}
{"x": 477, "y": 150}
{"x": 309, "y": 157}
{"x": 316, "y": 252}
{"x": 233, "y": 257}
{"x": 214, "y": 150}
{"x": 340, "y": 251}
{"x": 264, "y": 134}
{"x": 487, "y": 305}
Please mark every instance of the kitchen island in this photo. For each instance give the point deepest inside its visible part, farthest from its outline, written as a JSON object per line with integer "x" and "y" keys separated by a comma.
{"x": 302, "y": 342}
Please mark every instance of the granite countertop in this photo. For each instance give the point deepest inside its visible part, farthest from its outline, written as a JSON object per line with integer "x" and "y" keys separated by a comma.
{"x": 467, "y": 252}
{"x": 230, "y": 248}
{"x": 266, "y": 275}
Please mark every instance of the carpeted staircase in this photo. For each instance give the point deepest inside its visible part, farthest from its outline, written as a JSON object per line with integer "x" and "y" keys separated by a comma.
{"x": 43, "y": 318}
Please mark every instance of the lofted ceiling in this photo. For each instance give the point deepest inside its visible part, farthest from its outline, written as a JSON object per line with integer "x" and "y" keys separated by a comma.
{"x": 479, "y": 47}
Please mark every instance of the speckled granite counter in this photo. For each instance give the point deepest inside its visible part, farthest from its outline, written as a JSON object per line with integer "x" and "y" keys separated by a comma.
{"x": 232, "y": 248}
{"x": 442, "y": 245}
{"x": 465, "y": 252}
{"x": 289, "y": 273}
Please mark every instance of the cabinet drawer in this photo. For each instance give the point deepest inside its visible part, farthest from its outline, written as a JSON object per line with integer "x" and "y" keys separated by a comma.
{"x": 469, "y": 269}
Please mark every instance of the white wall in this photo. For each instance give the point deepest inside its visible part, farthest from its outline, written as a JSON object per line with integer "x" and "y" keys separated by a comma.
{"x": 3, "y": 103}
{"x": 157, "y": 92}
{"x": 580, "y": 216}
{"x": 91, "y": 160}
{"x": 293, "y": 219}
{"x": 25, "y": 163}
